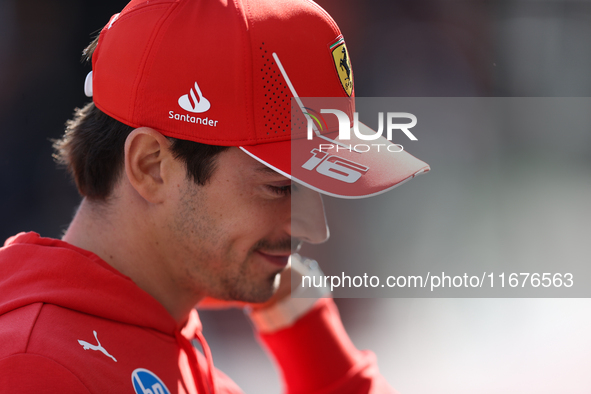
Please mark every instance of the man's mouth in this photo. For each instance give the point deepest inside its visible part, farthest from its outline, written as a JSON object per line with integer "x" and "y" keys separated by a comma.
{"x": 279, "y": 259}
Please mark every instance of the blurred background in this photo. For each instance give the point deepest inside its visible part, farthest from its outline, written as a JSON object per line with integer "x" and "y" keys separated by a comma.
{"x": 526, "y": 192}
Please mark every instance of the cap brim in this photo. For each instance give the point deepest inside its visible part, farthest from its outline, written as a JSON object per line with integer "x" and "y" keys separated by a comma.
{"x": 343, "y": 173}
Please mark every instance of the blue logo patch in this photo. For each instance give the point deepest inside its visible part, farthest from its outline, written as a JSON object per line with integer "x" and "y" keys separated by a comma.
{"x": 146, "y": 382}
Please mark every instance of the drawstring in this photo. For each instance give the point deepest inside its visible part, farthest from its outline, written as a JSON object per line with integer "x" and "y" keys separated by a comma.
{"x": 204, "y": 384}
{"x": 208, "y": 357}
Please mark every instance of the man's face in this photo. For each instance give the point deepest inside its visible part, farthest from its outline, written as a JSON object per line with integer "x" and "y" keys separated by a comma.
{"x": 232, "y": 237}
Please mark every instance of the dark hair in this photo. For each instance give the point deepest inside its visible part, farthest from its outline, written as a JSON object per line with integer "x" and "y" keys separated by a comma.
{"x": 92, "y": 149}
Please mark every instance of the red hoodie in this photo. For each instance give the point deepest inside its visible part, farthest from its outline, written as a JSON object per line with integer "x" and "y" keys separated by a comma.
{"x": 70, "y": 323}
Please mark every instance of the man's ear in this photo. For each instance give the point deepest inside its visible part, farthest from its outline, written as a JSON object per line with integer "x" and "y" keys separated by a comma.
{"x": 147, "y": 155}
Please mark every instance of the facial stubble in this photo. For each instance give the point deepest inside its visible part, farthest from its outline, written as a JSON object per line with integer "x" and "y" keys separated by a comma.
{"x": 212, "y": 264}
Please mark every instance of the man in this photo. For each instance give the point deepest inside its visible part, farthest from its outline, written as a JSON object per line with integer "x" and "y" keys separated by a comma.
{"x": 184, "y": 162}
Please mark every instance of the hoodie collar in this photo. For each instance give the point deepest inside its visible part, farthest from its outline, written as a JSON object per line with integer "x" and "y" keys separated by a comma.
{"x": 37, "y": 269}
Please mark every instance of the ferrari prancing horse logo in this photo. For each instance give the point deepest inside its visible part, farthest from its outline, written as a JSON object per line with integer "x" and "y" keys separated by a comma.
{"x": 340, "y": 56}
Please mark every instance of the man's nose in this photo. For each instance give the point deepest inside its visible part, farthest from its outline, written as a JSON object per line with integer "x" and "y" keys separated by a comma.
{"x": 308, "y": 221}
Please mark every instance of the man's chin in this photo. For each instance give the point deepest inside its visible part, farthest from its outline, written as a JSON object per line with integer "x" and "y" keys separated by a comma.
{"x": 257, "y": 294}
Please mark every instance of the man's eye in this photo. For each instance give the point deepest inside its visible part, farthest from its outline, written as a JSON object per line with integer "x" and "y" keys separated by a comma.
{"x": 280, "y": 190}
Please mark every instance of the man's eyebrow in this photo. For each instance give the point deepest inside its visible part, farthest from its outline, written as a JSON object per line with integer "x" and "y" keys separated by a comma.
{"x": 266, "y": 170}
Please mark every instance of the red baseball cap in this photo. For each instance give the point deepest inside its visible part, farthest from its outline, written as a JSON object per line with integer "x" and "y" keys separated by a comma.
{"x": 225, "y": 72}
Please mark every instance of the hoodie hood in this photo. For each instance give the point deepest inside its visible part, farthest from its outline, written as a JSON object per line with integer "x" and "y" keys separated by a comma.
{"x": 36, "y": 269}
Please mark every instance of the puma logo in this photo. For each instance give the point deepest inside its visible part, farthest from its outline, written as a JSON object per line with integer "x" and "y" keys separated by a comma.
{"x": 98, "y": 347}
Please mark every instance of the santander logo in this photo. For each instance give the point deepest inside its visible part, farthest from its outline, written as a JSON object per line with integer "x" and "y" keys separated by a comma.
{"x": 196, "y": 103}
